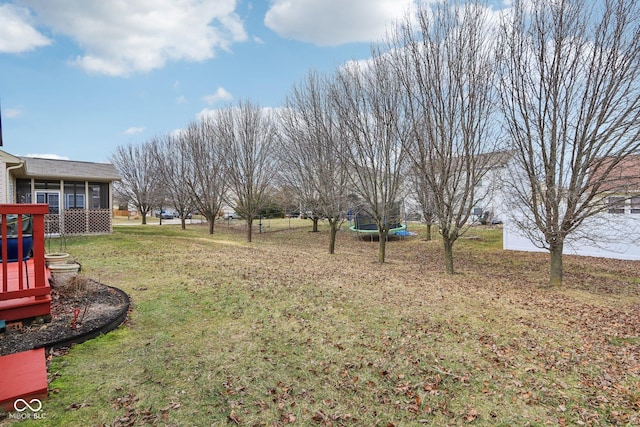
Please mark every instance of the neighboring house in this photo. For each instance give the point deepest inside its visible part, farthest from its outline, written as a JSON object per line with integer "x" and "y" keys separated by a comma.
{"x": 612, "y": 233}
{"x": 623, "y": 186}
{"x": 489, "y": 206}
{"x": 79, "y": 194}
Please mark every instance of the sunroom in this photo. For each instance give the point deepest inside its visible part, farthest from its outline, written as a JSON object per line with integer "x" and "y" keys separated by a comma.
{"x": 79, "y": 194}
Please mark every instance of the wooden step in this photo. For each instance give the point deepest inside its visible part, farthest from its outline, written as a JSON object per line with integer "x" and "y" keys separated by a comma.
{"x": 24, "y": 376}
{"x": 25, "y": 308}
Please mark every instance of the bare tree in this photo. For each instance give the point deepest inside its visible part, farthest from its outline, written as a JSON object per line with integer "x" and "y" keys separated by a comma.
{"x": 173, "y": 163}
{"x": 206, "y": 174}
{"x": 140, "y": 183}
{"x": 422, "y": 193}
{"x": 571, "y": 103}
{"x": 368, "y": 101}
{"x": 446, "y": 65}
{"x": 248, "y": 135}
{"x": 310, "y": 153}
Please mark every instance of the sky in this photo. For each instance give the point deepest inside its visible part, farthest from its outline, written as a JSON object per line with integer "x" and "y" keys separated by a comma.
{"x": 78, "y": 78}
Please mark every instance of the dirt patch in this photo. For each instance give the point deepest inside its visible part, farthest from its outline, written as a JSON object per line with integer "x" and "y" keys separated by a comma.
{"x": 79, "y": 312}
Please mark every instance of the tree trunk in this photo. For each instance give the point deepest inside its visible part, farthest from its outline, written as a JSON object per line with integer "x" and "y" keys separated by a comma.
{"x": 428, "y": 238}
{"x": 382, "y": 247}
{"x": 315, "y": 224}
{"x": 448, "y": 254}
{"x": 333, "y": 229}
{"x": 183, "y": 223}
{"x": 144, "y": 218}
{"x": 555, "y": 270}
{"x": 249, "y": 229}
{"x": 212, "y": 222}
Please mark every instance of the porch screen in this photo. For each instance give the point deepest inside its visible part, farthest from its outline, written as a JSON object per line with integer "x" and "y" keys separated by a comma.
{"x": 74, "y": 195}
{"x": 23, "y": 191}
{"x": 98, "y": 195}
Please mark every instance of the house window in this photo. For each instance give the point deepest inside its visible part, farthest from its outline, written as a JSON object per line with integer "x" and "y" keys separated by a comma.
{"x": 99, "y": 195}
{"x": 23, "y": 191}
{"x": 616, "y": 205}
{"x": 635, "y": 205}
{"x": 74, "y": 195}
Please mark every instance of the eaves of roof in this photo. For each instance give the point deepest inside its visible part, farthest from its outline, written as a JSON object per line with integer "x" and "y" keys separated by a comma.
{"x": 67, "y": 170}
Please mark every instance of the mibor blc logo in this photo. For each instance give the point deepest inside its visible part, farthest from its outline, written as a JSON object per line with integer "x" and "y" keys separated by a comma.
{"x": 27, "y": 410}
{"x": 22, "y": 405}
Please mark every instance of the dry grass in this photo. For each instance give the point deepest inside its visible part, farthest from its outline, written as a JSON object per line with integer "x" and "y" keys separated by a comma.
{"x": 278, "y": 332}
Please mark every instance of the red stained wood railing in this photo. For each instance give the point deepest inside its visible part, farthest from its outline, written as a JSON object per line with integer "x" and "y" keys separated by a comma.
{"x": 16, "y": 287}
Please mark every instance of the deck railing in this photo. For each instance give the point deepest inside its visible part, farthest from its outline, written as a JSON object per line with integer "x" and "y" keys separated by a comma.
{"x": 16, "y": 287}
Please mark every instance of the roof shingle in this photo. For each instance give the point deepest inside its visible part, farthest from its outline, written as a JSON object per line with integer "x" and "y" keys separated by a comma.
{"x": 68, "y": 169}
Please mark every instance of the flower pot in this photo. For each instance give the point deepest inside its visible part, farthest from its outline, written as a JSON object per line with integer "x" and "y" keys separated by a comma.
{"x": 63, "y": 273}
{"x": 12, "y": 247}
{"x": 56, "y": 258}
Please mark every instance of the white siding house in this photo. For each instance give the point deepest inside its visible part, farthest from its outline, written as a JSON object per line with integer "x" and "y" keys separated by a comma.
{"x": 612, "y": 233}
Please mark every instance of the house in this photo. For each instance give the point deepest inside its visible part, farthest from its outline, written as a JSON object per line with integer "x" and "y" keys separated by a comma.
{"x": 613, "y": 232}
{"x": 623, "y": 187}
{"x": 489, "y": 204}
{"x": 79, "y": 194}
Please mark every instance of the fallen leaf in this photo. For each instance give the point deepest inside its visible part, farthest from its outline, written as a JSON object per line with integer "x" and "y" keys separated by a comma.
{"x": 471, "y": 415}
{"x": 234, "y": 417}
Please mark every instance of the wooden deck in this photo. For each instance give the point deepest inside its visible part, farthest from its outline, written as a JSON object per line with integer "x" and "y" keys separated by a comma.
{"x": 29, "y": 306}
{"x": 24, "y": 284}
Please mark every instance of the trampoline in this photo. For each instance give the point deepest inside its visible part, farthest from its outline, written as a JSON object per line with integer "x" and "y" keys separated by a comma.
{"x": 364, "y": 225}
{"x": 397, "y": 229}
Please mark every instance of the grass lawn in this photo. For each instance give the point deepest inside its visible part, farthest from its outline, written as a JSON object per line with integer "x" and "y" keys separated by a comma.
{"x": 278, "y": 332}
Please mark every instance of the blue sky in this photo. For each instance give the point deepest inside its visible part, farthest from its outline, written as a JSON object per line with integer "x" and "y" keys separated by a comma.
{"x": 80, "y": 77}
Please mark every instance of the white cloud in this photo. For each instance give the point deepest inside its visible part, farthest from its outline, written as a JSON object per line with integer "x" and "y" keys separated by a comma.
{"x": 176, "y": 133}
{"x": 181, "y": 100}
{"x": 334, "y": 22}
{"x": 206, "y": 112}
{"x": 211, "y": 112}
{"x": 47, "y": 156}
{"x": 221, "y": 94}
{"x": 125, "y": 37}
{"x": 17, "y": 32}
{"x": 134, "y": 130}
{"x": 12, "y": 112}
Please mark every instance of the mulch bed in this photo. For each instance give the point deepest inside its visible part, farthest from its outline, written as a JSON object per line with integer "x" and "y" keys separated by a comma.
{"x": 80, "y": 311}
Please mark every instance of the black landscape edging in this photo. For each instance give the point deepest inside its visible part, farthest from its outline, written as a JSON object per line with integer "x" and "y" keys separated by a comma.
{"x": 107, "y": 327}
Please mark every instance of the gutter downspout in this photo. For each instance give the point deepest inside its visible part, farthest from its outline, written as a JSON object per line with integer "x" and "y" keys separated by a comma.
{"x": 8, "y": 177}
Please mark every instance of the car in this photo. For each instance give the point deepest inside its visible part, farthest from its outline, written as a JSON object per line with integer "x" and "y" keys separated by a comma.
{"x": 164, "y": 215}
{"x": 230, "y": 215}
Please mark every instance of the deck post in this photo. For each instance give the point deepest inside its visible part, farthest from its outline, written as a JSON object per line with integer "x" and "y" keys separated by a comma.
{"x": 38, "y": 249}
